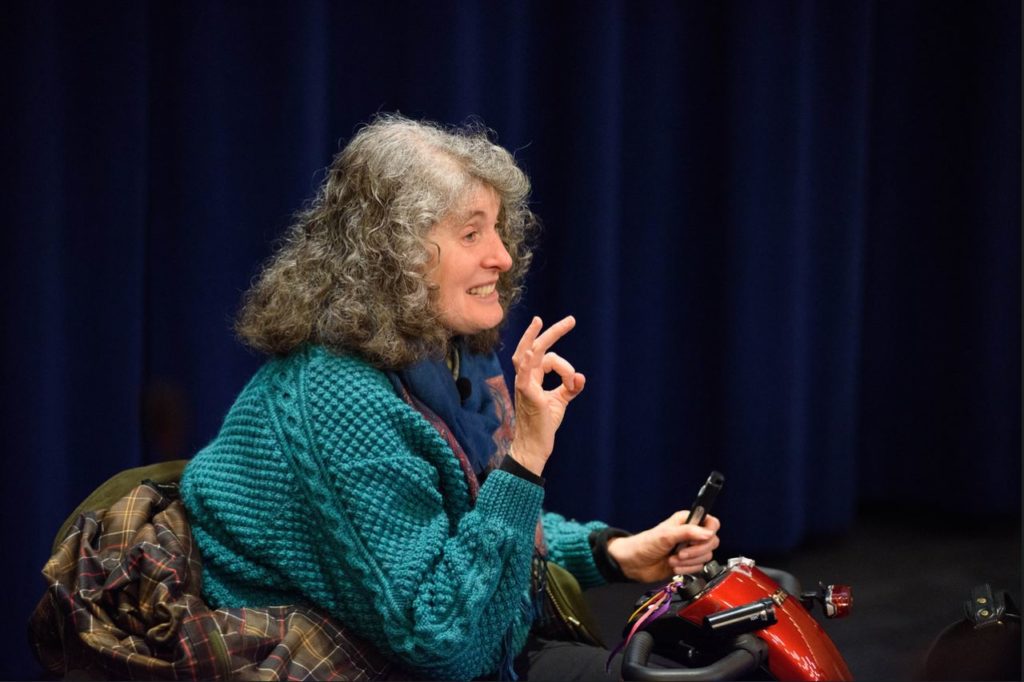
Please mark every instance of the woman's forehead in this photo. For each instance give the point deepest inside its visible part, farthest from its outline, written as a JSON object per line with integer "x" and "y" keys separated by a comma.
{"x": 479, "y": 201}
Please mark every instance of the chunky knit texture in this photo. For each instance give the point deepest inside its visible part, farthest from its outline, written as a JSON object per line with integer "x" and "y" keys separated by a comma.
{"x": 324, "y": 487}
{"x": 569, "y": 546}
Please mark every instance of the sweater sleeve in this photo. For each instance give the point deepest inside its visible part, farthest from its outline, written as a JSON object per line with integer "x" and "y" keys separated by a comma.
{"x": 406, "y": 560}
{"x": 568, "y": 542}
{"x": 569, "y": 546}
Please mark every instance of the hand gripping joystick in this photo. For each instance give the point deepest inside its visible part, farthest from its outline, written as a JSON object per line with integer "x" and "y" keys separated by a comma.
{"x": 702, "y": 505}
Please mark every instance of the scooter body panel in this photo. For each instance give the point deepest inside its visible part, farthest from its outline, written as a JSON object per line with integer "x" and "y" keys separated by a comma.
{"x": 799, "y": 649}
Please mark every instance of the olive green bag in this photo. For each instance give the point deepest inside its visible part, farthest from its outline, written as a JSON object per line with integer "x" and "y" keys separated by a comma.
{"x": 565, "y": 614}
{"x": 119, "y": 485}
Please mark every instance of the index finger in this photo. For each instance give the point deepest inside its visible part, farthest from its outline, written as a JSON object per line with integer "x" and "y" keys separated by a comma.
{"x": 553, "y": 333}
{"x": 711, "y": 522}
{"x": 529, "y": 336}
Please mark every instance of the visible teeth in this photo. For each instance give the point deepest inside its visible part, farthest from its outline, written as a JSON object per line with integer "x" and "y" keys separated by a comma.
{"x": 482, "y": 291}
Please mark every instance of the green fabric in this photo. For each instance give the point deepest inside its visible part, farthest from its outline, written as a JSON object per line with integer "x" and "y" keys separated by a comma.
{"x": 569, "y": 547}
{"x": 116, "y": 487}
{"x": 323, "y": 486}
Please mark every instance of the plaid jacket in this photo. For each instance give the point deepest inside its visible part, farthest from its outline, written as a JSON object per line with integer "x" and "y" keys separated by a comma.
{"x": 124, "y": 602}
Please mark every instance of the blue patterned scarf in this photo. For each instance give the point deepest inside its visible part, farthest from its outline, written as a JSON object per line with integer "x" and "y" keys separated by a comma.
{"x": 467, "y": 407}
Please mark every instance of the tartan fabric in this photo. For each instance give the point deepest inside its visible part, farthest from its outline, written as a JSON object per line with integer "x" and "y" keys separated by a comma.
{"x": 124, "y": 602}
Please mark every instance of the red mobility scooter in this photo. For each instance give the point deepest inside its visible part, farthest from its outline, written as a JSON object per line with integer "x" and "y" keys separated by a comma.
{"x": 736, "y": 621}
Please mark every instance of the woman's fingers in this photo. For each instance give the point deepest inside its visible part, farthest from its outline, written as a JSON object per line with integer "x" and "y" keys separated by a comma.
{"x": 532, "y": 361}
{"x": 570, "y": 388}
{"x": 553, "y": 333}
{"x": 527, "y": 340}
{"x": 693, "y": 556}
{"x": 678, "y": 518}
{"x": 572, "y": 381}
{"x": 532, "y": 351}
{"x": 555, "y": 362}
{"x": 689, "y": 566}
{"x": 532, "y": 339}
{"x": 525, "y": 380}
{"x": 711, "y": 523}
{"x": 699, "y": 553}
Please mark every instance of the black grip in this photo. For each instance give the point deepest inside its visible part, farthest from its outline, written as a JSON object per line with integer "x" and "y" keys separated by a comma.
{"x": 742, "y": 619}
{"x": 702, "y": 504}
{"x": 705, "y": 498}
{"x": 749, "y": 654}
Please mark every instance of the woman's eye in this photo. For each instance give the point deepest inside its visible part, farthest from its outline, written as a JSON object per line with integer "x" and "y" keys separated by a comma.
{"x": 471, "y": 236}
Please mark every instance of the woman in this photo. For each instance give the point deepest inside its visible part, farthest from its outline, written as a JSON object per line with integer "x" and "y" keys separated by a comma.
{"x": 371, "y": 467}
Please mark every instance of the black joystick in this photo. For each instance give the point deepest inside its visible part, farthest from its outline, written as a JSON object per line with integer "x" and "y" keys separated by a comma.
{"x": 702, "y": 505}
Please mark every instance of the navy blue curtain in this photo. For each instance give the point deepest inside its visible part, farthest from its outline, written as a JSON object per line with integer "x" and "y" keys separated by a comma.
{"x": 790, "y": 233}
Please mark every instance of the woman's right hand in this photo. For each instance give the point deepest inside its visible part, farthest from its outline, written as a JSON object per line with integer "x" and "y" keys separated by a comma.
{"x": 539, "y": 413}
{"x": 648, "y": 557}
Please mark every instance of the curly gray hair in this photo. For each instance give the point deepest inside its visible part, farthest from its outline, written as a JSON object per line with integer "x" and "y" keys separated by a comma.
{"x": 350, "y": 272}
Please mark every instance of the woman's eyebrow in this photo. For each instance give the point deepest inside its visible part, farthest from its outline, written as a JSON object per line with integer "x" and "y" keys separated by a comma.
{"x": 462, "y": 218}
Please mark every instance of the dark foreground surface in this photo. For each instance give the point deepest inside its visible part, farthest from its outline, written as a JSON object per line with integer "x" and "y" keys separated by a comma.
{"x": 910, "y": 577}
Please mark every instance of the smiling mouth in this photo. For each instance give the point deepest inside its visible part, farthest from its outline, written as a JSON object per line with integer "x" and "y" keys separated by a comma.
{"x": 483, "y": 291}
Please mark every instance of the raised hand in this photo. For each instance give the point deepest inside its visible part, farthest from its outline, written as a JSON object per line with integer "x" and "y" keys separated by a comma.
{"x": 539, "y": 413}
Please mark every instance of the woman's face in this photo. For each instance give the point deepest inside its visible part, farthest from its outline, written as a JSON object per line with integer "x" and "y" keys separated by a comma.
{"x": 469, "y": 257}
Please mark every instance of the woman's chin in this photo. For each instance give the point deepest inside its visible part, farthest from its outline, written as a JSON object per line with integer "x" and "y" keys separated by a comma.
{"x": 478, "y": 329}
{"x": 476, "y": 324}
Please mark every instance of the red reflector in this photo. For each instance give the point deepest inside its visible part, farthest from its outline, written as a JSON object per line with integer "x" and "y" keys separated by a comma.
{"x": 838, "y": 601}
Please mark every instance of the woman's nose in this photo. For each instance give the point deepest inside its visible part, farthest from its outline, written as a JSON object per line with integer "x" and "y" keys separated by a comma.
{"x": 498, "y": 256}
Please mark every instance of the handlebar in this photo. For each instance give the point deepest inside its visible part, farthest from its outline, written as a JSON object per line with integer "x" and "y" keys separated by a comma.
{"x": 749, "y": 652}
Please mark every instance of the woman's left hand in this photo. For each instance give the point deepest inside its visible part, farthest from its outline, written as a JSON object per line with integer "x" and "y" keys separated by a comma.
{"x": 648, "y": 557}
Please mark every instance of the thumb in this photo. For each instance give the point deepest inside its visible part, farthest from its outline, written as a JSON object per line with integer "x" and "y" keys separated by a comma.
{"x": 570, "y": 388}
{"x": 678, "y": 518}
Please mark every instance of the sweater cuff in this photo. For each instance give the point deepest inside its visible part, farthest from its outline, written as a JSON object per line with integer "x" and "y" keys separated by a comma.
{"x": 511, "y": 502}
{"x": 511, "y": 466}
{"x": 606, "y": 565}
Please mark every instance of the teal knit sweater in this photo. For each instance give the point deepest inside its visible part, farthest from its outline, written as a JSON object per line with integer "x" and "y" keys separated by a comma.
{"x": 324, "y": 487}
